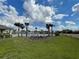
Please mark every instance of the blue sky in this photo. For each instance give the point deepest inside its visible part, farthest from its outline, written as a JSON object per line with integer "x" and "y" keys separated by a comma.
{"x": 18, "y": 4}
{"x": 63, "y": 13}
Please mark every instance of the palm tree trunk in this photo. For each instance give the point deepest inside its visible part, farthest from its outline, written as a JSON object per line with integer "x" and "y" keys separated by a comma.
{"x": 18, "y": 32}
{"x": 48, "y": 31}
{"x": 21, "y": 33}
{"x": 26, "y": 31}
{"x": 9, "y": 33}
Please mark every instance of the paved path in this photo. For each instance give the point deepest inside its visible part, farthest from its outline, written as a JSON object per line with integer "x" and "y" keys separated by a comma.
{"x": 73, "y": 35}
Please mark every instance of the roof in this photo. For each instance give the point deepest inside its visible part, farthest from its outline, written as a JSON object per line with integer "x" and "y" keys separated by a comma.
{"x": 3, "y": 27}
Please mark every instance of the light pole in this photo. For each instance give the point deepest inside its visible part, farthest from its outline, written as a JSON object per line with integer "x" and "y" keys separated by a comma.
{"x": 26, "y": 24}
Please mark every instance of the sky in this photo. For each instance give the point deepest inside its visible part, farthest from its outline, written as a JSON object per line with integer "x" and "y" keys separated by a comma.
{"x": 64, "y": 14}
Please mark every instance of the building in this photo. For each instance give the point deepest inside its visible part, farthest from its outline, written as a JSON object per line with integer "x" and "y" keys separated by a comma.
{"x": 5, "y": 29}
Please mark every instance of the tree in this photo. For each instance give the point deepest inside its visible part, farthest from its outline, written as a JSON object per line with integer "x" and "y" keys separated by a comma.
{"x": 26, "y": 24}
{"x": 22, "y": 27}
{"x": 48, "y": 26}
{"x": 18, "y": 25}
{"x": 67, "y": 31}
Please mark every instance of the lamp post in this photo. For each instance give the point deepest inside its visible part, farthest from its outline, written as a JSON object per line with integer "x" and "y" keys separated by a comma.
{"x": 26, "y": 24}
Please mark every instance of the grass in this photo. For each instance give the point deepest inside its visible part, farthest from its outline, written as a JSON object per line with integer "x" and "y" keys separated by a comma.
{"x": 62, "y": 47}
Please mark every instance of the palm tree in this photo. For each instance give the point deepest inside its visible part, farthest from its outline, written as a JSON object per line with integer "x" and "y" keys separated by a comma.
{"x": 51, "y": 25}
{"x": 22, "y": 27}
{"x": 48, "y": 26}
{"x": 26, "y": 24}
{"x": 18, "y": 25}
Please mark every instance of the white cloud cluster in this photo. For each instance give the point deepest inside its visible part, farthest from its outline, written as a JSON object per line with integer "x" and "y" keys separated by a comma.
{"x": 71, "y": 25}
{"x": 59, "y": 26}
{"x": 42, "y": 13}
{"x": 10, "y": 15}
{"x": 38, "y": 12}
{"x": 32, "y": 28}
{"x": 75, "y": 8}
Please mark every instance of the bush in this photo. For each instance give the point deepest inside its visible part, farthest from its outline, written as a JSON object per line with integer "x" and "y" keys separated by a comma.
{"x": 57, "y": 33}
{"x": 1, "y": 35}
{"x": 7, "y": 35}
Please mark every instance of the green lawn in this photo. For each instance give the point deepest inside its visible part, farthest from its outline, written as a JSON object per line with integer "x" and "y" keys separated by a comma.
{"x": 62, "y": 47}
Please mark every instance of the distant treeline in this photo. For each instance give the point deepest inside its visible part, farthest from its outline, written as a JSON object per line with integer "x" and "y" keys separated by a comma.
{"x": 67, "y": 31}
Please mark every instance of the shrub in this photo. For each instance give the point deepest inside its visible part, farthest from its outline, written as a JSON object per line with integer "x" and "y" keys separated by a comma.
{"x": 57, "y": 33}
{"x": 7, "y": 35}
{"x": 1, "y": 35}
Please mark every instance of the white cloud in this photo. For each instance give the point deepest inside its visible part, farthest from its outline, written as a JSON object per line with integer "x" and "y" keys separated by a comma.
{"x": 58, "y": 22}
{"x": 50, "y": 0}
{"x": 59, "y": 27}
{"x": 3, "y": 0}
{"x": 61, "y": 3}
{"x": 7, "y": 10}
{"x": 75, "y": 8}
{"x": 38, "y": 12}
{"x": 59, "y": 16}
{"x": 32, "y": 28}
{"x": 70, "y": 23}
{"x": 48, "y": 20}
{"x": 12, "y": 10}
{"x": 6, "y": 23}
{"x": 10, "y": 15}
{"x": 72, "y": 27}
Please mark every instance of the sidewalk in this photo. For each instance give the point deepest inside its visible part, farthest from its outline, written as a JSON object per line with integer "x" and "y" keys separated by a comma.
{"x": 73, "y": 35}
